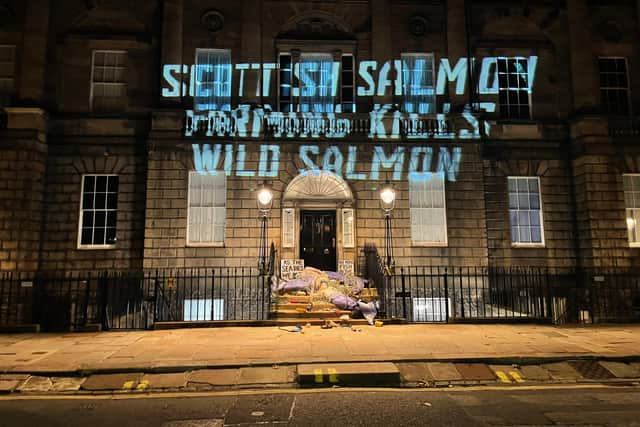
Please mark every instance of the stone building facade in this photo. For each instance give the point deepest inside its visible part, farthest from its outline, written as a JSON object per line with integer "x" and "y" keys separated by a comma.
{"x": 92, "y": 111}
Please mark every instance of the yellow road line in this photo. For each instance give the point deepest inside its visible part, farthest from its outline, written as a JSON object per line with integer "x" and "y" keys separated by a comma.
{"x": 255, "y": 392}
{"x": 333, "y": 375}
{"x": 503, "y": 377}
{"x": 516, "y": 376}
{"x": 319, "y": 376}
{"x": 128, "y": 385}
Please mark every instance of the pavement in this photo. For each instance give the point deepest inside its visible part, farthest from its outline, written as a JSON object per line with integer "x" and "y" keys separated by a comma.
{"x": 427, "y": 355}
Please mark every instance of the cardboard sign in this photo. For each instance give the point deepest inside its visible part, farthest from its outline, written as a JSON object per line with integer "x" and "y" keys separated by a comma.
{"x": 289, "y": 268}
{"x": 346, "y": 267}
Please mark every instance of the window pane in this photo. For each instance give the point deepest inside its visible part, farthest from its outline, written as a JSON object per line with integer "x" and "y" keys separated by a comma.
{"x": 87, "y": 201}
{"x": 100, "y": 201}
{"x": 86, "y": 237}
{"x": 536, "y": 236}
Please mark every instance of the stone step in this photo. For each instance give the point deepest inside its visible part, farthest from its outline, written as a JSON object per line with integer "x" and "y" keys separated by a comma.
{"x": 379, "y": 374}
{"x": 317, "y": 306}
{"x": 294, "y": 299}
{"x": 293, "y": 314}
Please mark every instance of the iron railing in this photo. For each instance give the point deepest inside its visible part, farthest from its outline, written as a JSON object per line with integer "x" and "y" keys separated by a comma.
{"x": 133, "y": 300}
{"x": 505, "y": 294}
{"x": 138, "y": 300}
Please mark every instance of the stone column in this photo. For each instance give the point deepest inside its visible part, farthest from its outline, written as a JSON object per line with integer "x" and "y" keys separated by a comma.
{"x": 251, "y": 50}
{"x": 583, "y": 63}
{"x": 172, "y": 28}
{"x": 34, "y": 54}
{"x": 381, "y": 42}
{"x": 23, "y": 158}
{"x": 456, "y": 49}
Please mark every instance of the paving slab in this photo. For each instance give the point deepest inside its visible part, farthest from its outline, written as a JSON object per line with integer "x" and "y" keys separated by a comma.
{"x": 62, "y": 384}
{"x": 267, "y": 375}
{"x": 349, "y": 374}
{"x": 591, "y": 369}
{"x": 475, "y": 372}
{"x": 14, "y": 377}
{"x": 562, "y": 371}
{"x": 7, "y": 386}
{"x": 213, "y": 377}
{"x": 415, "y": 372}
{"x": 159, "y": 381}
{"x": 36, "y": 385}
{"x": 621, "y": 370}
{"x": 534, "y": 373}
{"x": 444, "y": 372}
{"x": 105, "y": 382}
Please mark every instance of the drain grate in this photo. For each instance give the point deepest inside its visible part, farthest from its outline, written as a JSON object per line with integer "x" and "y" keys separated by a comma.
{"x": 591, "y": 370}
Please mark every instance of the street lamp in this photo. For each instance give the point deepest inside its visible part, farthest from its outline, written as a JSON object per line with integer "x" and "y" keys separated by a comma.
{"x": 387, "y": 203}
{"x": 264, "y": 200}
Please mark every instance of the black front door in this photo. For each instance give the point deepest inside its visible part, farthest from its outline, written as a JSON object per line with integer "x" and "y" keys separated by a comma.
{"x": 318, "y": 239}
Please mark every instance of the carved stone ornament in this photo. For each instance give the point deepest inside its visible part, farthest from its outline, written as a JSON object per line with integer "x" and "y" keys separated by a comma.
{"x": 418, "y": 26}
{"x": 212, "y": 20}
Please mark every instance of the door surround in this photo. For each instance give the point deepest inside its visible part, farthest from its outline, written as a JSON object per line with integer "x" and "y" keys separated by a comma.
{"x": 316, "y": 190}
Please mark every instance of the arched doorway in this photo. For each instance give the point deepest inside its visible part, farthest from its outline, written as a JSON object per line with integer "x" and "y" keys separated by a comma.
{"x": 318, "y": 220}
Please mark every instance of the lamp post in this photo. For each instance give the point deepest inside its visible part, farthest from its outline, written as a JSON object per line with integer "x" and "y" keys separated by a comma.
{"x": 387, "y": 203}
{"x": 264, "y": 199}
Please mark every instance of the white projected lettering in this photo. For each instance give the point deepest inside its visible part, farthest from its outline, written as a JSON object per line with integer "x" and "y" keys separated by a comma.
{"x": 313, "y": 90}
{"x": 320, "y": 75}
{"x": 398, "y": 162}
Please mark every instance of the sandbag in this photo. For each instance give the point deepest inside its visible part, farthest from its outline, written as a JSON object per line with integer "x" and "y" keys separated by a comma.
{"x": 344, "y": 302}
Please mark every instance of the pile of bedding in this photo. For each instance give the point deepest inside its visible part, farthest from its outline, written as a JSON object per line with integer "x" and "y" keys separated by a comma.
{"x": 341, "y": 290}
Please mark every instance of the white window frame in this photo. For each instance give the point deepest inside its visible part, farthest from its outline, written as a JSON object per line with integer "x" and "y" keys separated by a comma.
{"x": 629, "y": 211}
{"x": 444, "y": 213}
{"x": 433, "y": 76}
{"x": 506, "y": 115}
{"x": 12, "y": 77}
{"x": 295, "y": 87}
{"x": 92, "y": 83}
{"x": 348, "y": 232}
{"x": 627, "y": 89}
{"x": 540, "y": 244}
{"x": 230, "y": 82}
{"x": 351, "y": 84}
{"x": 213, "y": 243}
{"x": 288, "y": 227}
{"x": 80, "y": 245}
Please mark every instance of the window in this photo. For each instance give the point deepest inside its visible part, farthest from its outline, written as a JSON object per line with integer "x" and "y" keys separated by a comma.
{"x": 431, "y": 309}
{"x": 614, "y": 85}
{"x": 99, "y": 211}
{"x": 311, "y": 84}
{"x": 108, "y": 85}
{"x": 524, "y": 210}
{"x": 288, "y": 228}
{"x": 348, "y": 228}
{"x": 513, "y": 88}
{"x": 632, "y": 204}
{"x": 427, "y": 208}
{"x": 418, "y": 83}
{"x": 203, "y": 309}
{"x": 348, "y": 83}
{"x": 206, "y": 208}
{"x": 212, "y": 80}
{"x": 7, "y": 74}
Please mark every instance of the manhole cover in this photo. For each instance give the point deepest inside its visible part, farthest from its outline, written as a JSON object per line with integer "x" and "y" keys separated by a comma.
{"x": 591, "y": 370}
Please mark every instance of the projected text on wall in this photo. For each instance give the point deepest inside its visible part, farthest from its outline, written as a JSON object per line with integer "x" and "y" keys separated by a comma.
{"x": 396, "y": 163}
